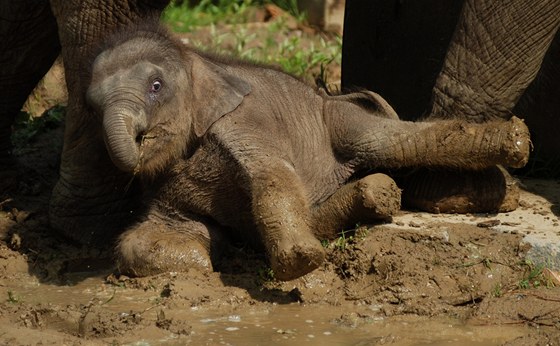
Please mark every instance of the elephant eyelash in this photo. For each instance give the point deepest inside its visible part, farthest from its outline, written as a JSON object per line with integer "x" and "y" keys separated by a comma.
{"x": 156, "y": 86}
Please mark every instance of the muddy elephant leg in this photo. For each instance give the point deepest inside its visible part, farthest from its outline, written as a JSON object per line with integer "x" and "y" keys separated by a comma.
{"x": 161, "y": 243}
{"x": 374, "y": 142}
{"x": 447, "y": 191}
{"x": 282, "y": 215}
{"x": 375, "y": 197}
{"x": 29, "y": 48}
{"x": 439, "y": 144}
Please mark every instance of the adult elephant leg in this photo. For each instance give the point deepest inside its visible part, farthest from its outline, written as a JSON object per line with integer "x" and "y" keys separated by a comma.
{"x": 162, "y": 243}
{"x": 540, "y": 107}
{"x": 491, "y": 189}
{"x": 29, "y": 46}
{"x": 282, "y": 216}
{"x": 92, "y": 199}
{"x": 496, "y": 51}
{"x": 373, "y": 198}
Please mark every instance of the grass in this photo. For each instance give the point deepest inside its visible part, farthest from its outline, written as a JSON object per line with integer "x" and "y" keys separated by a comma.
{"x": 497, "y": 291}
{"x": 13, "y": 298}
{"x": 346, "y": 238}
{"x": 27, "y": 127}
{"x": 185, "y": 18}
{"x": 533, "y": 277}
{"x": 225, "y": 27}
{"x": 265, "y": 274}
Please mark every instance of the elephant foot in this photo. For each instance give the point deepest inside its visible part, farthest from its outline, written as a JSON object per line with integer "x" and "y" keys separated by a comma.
{"x": 292, "y": 258}
{"x": 378, "y": 197}
{"x": 486, "y": 191}
{"x": 158, "y": 245}
{"x": 371, "y": 199}
{"x": 517, "y": 145}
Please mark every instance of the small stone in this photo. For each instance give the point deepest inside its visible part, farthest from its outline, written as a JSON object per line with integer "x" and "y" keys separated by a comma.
{"x": 488, "y": 223}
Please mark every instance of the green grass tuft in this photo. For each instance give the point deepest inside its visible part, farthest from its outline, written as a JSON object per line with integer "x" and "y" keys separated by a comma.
{"x": 279, "y": 42}
{"x": 27, "y": 128}
{"x": 185, "y": 18}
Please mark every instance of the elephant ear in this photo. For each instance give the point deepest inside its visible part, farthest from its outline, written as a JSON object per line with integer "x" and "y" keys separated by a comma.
{"x": 216, "y": 92}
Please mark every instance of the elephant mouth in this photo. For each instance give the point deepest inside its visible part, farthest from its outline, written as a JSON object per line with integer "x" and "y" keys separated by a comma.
{"x": 146, "y": 144}
{"x": 142, "y": 142}
{"x": 140, "y": 138}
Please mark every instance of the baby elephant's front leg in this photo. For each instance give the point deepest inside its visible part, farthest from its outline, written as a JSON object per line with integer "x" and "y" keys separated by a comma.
{"x": 282, "y": 216}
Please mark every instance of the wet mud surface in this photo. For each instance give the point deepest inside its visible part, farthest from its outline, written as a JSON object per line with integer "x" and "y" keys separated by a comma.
{"x": 423, "y": 278}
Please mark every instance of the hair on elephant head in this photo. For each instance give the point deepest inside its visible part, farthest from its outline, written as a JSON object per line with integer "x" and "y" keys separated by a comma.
{"x": 244, "y": 147}
{"x": 140, "y": 104}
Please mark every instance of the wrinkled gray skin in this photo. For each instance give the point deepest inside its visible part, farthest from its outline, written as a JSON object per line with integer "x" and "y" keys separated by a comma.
{"x": 92, "y": 200}
{"x": 472, "y": 59}
{"x": 221, "y": 143}
{"x": 462, "y": 59}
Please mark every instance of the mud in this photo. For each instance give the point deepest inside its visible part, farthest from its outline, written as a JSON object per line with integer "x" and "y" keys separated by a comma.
{"x": 447, "y": 282}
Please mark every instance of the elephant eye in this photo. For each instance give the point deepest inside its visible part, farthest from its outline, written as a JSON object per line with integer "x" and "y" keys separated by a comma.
{"x": 156, "y": 85}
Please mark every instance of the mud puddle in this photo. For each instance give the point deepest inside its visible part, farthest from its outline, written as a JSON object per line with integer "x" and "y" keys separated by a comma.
{"x": 97, "y": 312}
{"x": 300, "y": 325}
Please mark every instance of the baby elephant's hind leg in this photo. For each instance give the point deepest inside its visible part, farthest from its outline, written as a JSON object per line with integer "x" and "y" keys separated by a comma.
{"x": 373, "y": 198}
{"x": 161, "y": 244}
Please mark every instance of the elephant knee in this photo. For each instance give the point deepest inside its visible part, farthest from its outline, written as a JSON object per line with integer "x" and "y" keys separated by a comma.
{"x": 144, "y": 251}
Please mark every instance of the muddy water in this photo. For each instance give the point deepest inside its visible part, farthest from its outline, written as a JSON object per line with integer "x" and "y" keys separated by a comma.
{"x": 298, "y": 325}
{"x": 256, "y": 323}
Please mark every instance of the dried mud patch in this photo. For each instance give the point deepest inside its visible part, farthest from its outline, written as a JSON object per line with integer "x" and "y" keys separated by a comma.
{"x": 448, "y": 269}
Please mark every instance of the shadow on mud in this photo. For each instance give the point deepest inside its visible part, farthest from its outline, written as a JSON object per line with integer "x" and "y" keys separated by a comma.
{"x": 549, "y": 189}
{"x": 24, "y": 224}
{"x": 243, "y": 267}
{"x": 549, "y": 171}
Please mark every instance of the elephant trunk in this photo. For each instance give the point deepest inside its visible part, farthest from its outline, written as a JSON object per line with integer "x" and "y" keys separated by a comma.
{"x": 121, "y": 127}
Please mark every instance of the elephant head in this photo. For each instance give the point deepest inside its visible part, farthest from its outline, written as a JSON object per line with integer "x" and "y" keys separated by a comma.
{"x": 156, "y": 97}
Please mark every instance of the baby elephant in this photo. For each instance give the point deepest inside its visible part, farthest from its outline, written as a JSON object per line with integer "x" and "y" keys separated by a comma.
{"x": 222, "y": 145}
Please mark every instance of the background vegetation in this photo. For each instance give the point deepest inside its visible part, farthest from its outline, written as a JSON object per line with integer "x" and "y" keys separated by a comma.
{"x": 266, "y": 31}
